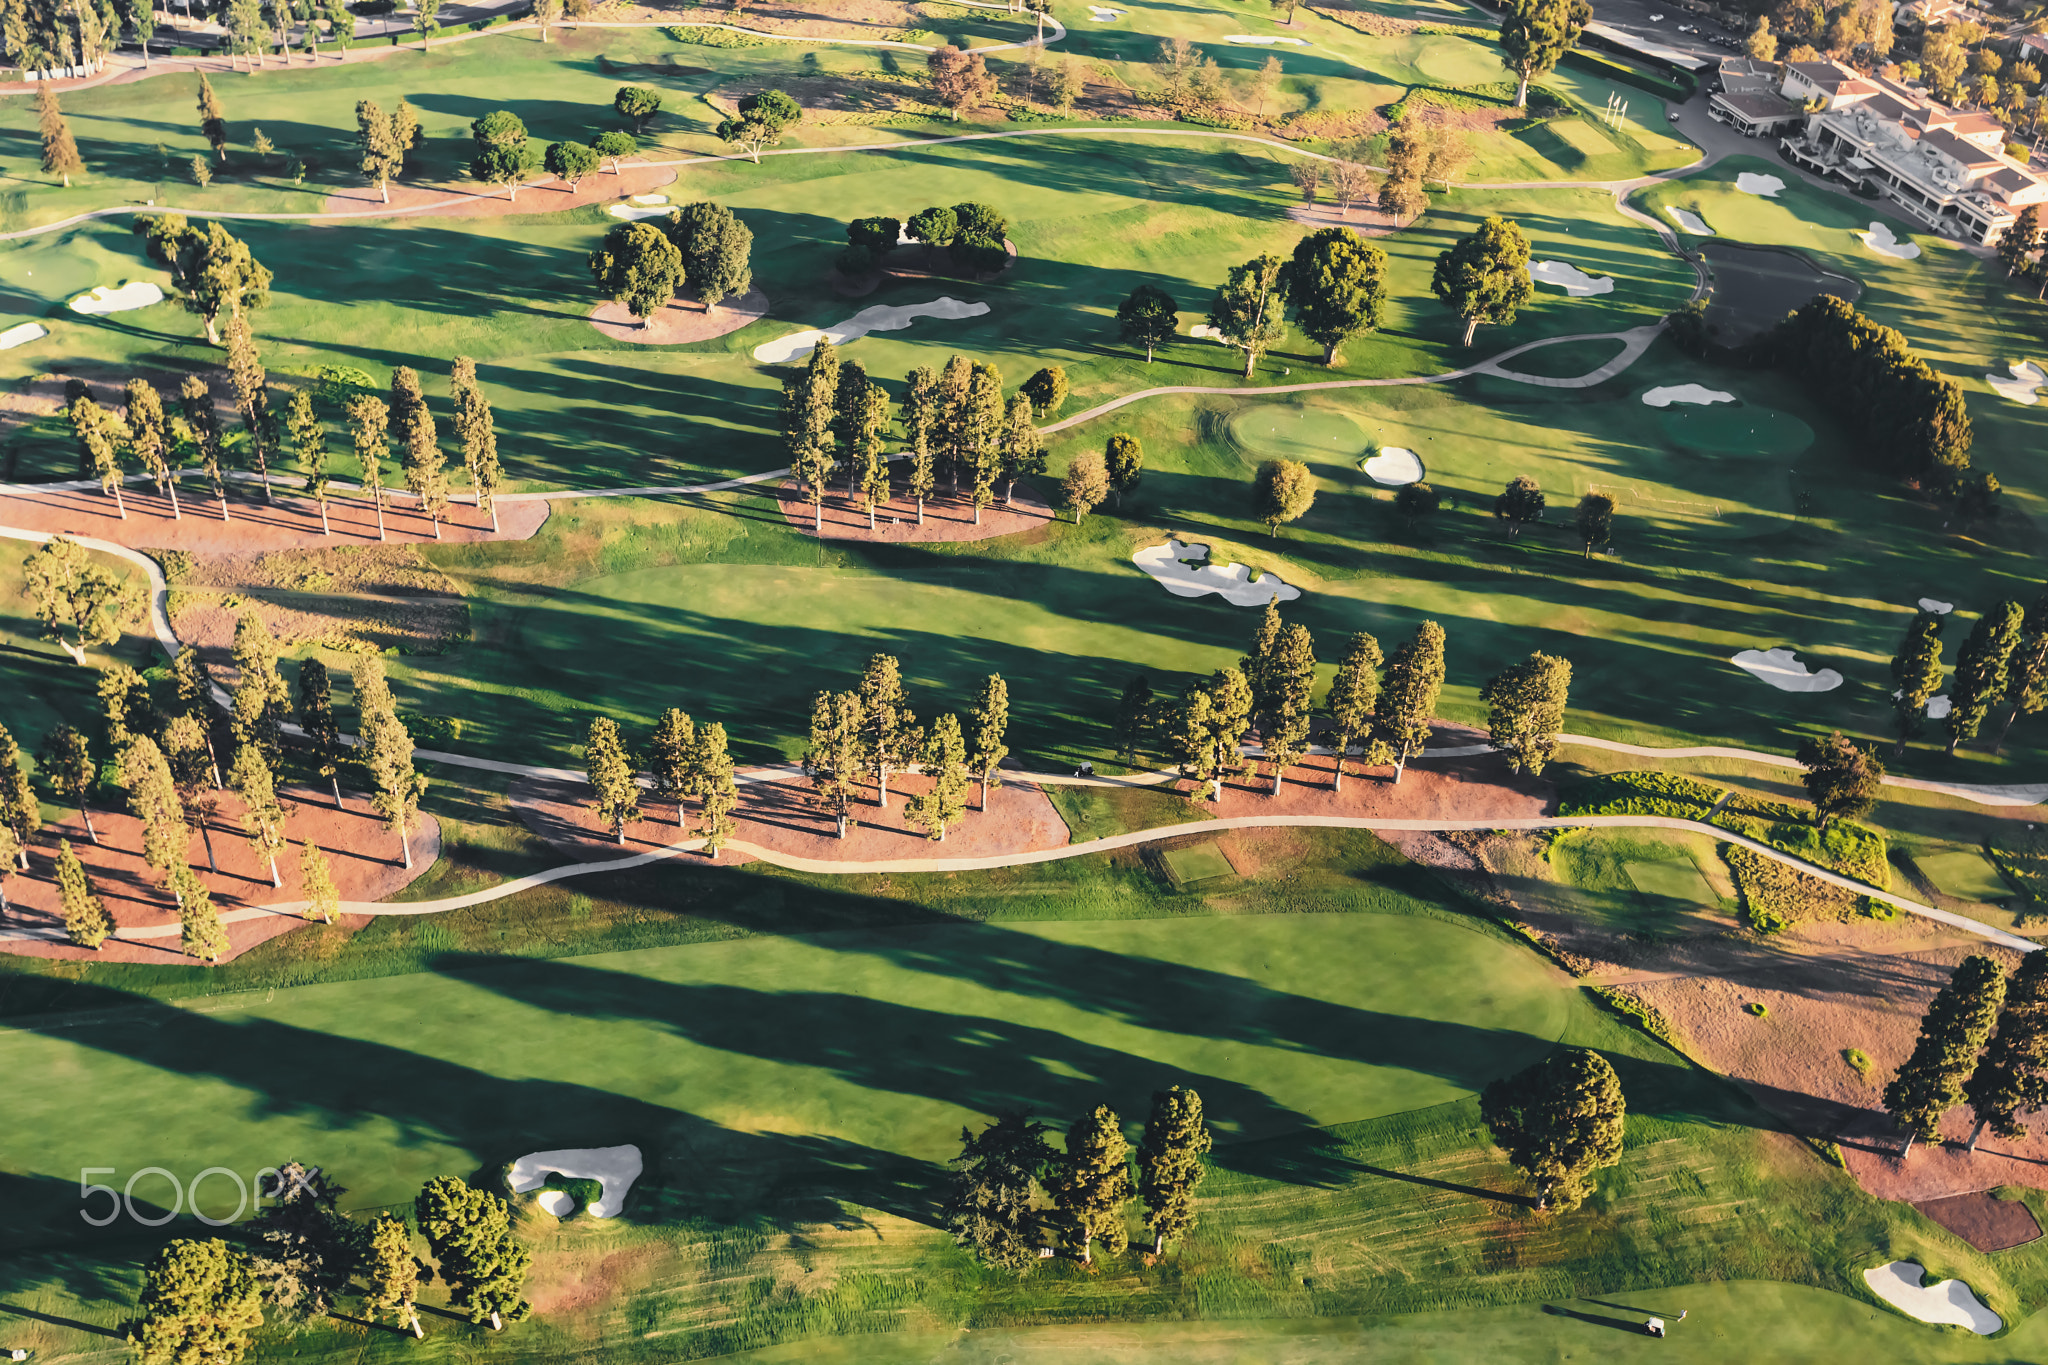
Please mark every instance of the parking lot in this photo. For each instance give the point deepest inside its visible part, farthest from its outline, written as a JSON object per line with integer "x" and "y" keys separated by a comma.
{"x": 1634, "y": 17}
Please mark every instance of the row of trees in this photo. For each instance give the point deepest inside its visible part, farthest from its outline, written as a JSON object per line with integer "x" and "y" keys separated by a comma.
{"x": 167, "y": 757}
{"x": 834, "y": 417}
{"x": 1984, "y": 1042}
{"x": 2003, "y": 665}
{"x": 973, "y": 236}
{"x": 685, "y": 763}
{"x": 703, "y": 248}
{"x": 204, "y": 1300}
{"x": 993, "y": 1207}
{"x": 870, "y": 731}
{"x": 161, "y": 442}
{"x": 1335, "y": 285}
{"x": 1379, "y": 708}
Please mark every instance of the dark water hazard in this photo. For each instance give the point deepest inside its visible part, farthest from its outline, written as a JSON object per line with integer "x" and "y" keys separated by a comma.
{"x": 1755, "y": 286}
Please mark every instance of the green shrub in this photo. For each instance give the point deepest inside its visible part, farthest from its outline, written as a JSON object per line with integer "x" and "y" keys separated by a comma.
{"x": 1830, "y": 1152}
{"x": 1024, "y": 113}
{"x": 1640, "y": 793}
{"x": 2021, "y": 856}
{"x": 176, "y": 564}
{"x": 1858, "y": 1060}
{"x": 1759, "y": 1009}
{"x": 702, "y": 36}
{"x": 1775, "y": 896}
{"x": 432, "y": 732}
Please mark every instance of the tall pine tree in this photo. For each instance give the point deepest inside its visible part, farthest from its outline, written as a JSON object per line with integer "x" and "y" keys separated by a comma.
{"x": 1409, "y": 692}
{"x": 1170, "y": 1167}
{"x": 1916, "y": 675}
{"x": 1982, "y": 670}
{"x": 1953, "y": 1031}
{"x": 1525, "y": 710}
{"x": 991, "y": 724}
{"x": 1354, "y": 696}
{"x": 1093, "y": 1186}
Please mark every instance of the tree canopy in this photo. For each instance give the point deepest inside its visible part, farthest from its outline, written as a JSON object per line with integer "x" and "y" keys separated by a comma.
{"x": 1338, "y": 286}
{"x": 1536, "y": 34}
{"x": 1484, "y": 276}
{"x": 1559, "y": 1121}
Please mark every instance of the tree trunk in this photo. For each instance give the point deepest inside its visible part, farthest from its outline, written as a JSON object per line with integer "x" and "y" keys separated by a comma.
{"x": 882, "y": 785}
{"x": 1976, "y": 1133}
{"x": 1148, "y": 350}
{"x": 984, "y": 794}
{"x": 1329, "y": 353}
{"x": 437, "y": 525}
{"x": 497, "y": 1323}
{"x": 920, "y": 511}
{"x": 1009, "y": 492}
{"x": 1251, "y": 358}
{"x": 1400, "y": 765}
{"x": 380, "y": 518}
{"x": 86, "y": 816}
{"x": 1522, "y": 93}
{"x": 871, "y": 518}
{"x": 1471, "y": 326}
{"x": 818, "y": 513}
{"x": 1277, "y": 771}
{"x": 212, "y": 332}
{"x": 275, "y": 880}
{"x": 336, "y": 780}
{"x": 842, "y": 824}
{"x": 1337, "y": 776}
{"x": 418, "y": 1334}
{"x": 1158, "y": 1243}
{"x": 325, "y": 529}
{"x": 176, "y": 515}
{"x": 494, "y": 518}
{"x": 405, "y": 847}
{"x": 223, "y": 489}
{"x": 385, "y": 186}
{"x": 2006, "y": 729}
{"x": 120, "y": 502}
{"x": 1907, "y": 1150}
{"x": 619, "y": 829}
{"x": 977, "y": 510}
{"x": 207, "y": 835}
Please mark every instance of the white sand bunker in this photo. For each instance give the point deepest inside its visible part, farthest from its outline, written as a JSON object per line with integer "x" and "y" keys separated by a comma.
{"x": 1691, "y": 222}
{"x": 1264, "y": 42}
{"x": 1232, "y": 581}
{"x": 1570, "y": 278}
{"x": 880, "y": 318}
{"x": 616, "y": 1168}
{"x": 1950, "y": 1302}
{"x": 1749, "y": 182}
{"x": 1939, "y": 707}
{"x": 124, "y": 299}
{"x": 22, "y": 334}
{"x": 558, "y": 1202}
{"x": 1394, "y": 466}
{"x": 1782, "y": 670}
{"x": 2026, "y": 377}
{"x": 1104, "y": 16}
{"x": 1881, "y": 240}
{"x": 650, "y": 199}
{"x": 633, "y": 213}
{"x": 1203, "y": 329}
{"x": 1938, "y": 608}
{"x": 1685, "y": 393}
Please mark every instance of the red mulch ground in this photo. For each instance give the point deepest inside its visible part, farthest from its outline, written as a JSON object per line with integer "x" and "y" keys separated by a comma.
{"x": 780, "y": 816}
{"x": 1985, "y": 1222}
{"x": 1477, "y": 788}
{"x": 459, "y": 202}
{"x": 946, "y": 517}
{"x": 287, "y": 523}
{"x": 682, "y": 322}
{"x": 361, "y": 853}
{"x": 1870, "y": 1146}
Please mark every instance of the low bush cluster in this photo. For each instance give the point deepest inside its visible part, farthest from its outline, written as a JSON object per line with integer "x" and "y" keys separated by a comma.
{"x": 1666, "y": 794}
{"x": 701, "y": 36}
{"x": 1641, "y": 1013}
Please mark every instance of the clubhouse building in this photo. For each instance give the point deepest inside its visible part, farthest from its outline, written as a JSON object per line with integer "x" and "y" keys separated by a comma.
{"x": 1946, "y": 169}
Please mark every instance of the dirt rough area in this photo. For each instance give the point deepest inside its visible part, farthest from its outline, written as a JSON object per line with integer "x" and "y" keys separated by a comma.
{"x": 782, "y": 816}
{"x": 361, "y": 852}
{"x": 681, "y": 322}
{"x": 947, "y": 517}
{"x": 1362, "y": 219}
{"x": 1985, "y": 1221}
{"x": 473, "y": 201}
{"x": 286, "y": 522}
{"x": 379, "y": 596}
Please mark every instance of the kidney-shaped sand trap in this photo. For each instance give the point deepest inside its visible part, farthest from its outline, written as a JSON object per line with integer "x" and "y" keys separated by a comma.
{"x": 21, "y": 334}
{"x": 616, "y": 1168}
{"x": 2026, "y": 378}
{"x": 1264, "y": 42}
{"x": 633, "y": 212}
{"x": 1215, "y": 334}
{"x": 650, "y": 199}
{"x": 883, "y": 317}
{"x": 1231, "y": 581}
{"x": 1685, "y": 393}
{"x": 1690, "y": 221}
{"x": 1938, "y": 608}
{"x": 1104, "y": 16}
{"x": 1881, "y": 240}
{"x": 1951, "y": 1302}
{"x": 124, "y": 299}
{"x": 1782, "y": 670}
{"x": 1570, "y": 278}
{"x": 1394, "y": 466}
{"x": 1749, "y": 182}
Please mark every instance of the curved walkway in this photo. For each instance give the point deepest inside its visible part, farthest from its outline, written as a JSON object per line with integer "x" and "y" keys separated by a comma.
{"x": 1110, "y": 844}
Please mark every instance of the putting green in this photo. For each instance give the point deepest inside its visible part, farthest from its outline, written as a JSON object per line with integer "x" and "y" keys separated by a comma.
{"x": 1197, "y": 864}
{"x": 1738, "y": 430}
{"x": 1675, "y": 879}
{"x": 1966, "y": 874}
{"x": 745, "y": 1062}
{"x": 1283, "y": 431}
{"x": 1583, "y": 137}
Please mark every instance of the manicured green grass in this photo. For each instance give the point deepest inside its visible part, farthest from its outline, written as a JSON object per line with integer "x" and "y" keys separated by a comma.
{"x": 1673, "y": 881}
{"x": 1966, "y": 875}
{"x": 1196, "y": 863}
{"x": 873, "y": 1045}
